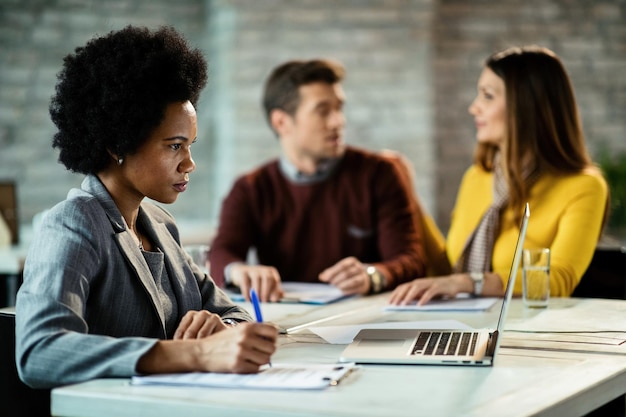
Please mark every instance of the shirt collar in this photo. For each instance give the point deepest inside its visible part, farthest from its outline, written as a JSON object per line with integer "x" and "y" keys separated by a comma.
{"x": 323, "y": 172}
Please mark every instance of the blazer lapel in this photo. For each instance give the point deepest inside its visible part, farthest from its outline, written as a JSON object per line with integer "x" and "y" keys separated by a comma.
{"x": 125, "y": 242}
{"x": 137, "y": 262}
{"x": 176, "y": 264}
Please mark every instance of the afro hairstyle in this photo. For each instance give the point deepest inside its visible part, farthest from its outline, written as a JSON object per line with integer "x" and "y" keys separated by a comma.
{"x": 113, "y": 92}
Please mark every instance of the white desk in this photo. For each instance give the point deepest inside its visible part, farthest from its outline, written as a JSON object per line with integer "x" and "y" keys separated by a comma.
{"x": 540, "y": 380}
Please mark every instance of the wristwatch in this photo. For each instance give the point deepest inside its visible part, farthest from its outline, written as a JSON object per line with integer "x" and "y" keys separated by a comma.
{"x": 479, "y": 280}
{"x": 377, "y": 281}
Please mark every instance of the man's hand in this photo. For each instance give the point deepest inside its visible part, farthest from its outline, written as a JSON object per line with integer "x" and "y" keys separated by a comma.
{"x": 349, "y": 275}
{"x": 264, "y": 279}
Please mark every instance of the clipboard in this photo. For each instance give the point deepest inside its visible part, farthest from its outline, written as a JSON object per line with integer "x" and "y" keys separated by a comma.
{"x": 285, "y": 376}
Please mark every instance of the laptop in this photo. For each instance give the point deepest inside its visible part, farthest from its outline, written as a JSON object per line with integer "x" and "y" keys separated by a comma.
{"x": 469, "y": 347}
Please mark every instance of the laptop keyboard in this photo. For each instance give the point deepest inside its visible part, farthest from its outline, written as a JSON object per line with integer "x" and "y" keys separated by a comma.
{"x": 445, "y": 343}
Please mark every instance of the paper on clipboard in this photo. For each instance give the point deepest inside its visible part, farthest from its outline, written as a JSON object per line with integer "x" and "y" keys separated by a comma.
{"x": 278, "y": 376}
{"x": 304, "y": 293}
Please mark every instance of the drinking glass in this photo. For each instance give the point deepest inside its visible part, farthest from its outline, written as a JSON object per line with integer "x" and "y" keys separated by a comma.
{"x": 536, "y": 277}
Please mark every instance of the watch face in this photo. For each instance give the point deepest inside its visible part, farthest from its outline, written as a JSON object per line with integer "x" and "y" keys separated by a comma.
{"x": 477, "y": 276}
{"x": 376, "y": 280}
{"x": 479, "y": 279}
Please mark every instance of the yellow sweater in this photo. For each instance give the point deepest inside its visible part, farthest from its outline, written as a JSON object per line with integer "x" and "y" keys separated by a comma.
{"x": 566, "y": 214}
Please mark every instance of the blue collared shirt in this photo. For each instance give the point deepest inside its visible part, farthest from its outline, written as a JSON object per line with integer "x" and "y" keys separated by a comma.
{"x": 323, "y": 172}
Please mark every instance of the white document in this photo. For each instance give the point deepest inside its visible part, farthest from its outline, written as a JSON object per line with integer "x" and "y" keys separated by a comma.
{"x": 304, "y": 292}
{"x": 461, "y": 303}
{"x": 343, "y": 335}
{"x": 278, "y": 376}
{"x": 311, "y": 293}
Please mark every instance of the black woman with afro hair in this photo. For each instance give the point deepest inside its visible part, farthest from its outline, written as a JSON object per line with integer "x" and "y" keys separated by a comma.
{"x": 108, "y": 289}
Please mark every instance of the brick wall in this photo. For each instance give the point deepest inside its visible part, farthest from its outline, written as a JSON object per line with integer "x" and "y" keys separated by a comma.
{"x": 412, "y": 69}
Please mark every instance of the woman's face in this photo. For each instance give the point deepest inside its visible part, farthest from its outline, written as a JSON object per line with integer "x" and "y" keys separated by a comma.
{"x": 489, "y": 109}
{"x": 160, "y": 168}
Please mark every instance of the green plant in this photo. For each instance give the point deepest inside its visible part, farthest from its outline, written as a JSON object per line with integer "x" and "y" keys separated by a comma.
{"x": 614, "y": 169}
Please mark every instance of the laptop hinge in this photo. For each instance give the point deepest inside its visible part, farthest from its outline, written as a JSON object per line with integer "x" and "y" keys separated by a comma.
{"x": 493, "y": 342}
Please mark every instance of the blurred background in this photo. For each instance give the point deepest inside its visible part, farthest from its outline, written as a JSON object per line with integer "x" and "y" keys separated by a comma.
{"x": 412, "y": 67}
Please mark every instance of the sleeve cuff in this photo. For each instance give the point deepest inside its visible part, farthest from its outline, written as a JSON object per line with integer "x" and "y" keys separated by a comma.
{"x": 227, "y": 279}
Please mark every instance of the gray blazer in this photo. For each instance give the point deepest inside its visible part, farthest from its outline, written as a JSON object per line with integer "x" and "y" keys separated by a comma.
{"x": 88, "y": 307}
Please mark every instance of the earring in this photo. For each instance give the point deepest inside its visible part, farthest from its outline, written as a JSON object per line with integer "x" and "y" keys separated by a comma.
{"x": 120, "y": 161}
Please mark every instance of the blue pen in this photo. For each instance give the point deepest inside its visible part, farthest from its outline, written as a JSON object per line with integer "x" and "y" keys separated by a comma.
{"x": 257, "y": 308}
{"x": 257, "y": 305}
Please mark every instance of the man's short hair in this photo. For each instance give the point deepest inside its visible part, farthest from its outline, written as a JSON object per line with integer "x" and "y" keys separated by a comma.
{"x": 282, "y": 86}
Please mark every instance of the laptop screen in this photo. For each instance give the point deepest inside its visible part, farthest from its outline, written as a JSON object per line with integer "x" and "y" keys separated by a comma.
{"x": 508, "y": 294}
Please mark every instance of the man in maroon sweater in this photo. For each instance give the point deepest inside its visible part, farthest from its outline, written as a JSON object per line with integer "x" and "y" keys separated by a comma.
{"x": 323, "y": 211}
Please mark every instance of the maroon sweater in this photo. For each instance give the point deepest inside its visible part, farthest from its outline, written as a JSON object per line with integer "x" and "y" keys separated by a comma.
{"x": 362, "y": 210}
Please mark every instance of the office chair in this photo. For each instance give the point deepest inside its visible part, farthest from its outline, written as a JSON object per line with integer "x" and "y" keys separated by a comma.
{"x": 606, "y": 275}
{"x": 16, "y": 398}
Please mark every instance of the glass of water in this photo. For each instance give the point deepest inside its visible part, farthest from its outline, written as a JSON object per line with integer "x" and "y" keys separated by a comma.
{"x": 536, "y": 277}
